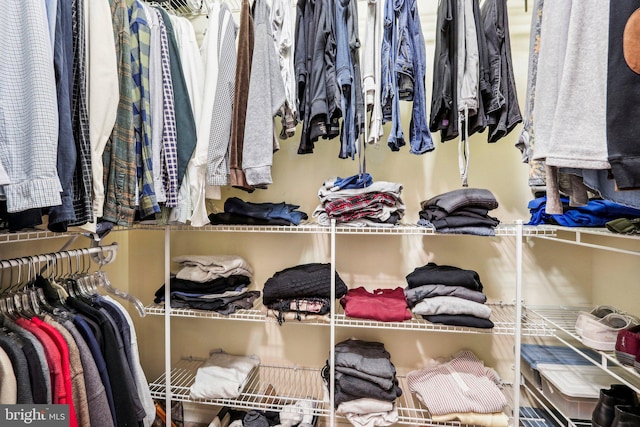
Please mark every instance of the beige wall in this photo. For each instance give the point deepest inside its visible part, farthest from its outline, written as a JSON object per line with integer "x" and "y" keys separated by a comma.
{"x": 554, "y": 273}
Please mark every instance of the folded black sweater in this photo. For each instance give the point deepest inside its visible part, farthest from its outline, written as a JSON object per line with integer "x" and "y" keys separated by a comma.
{"x": 305, "y": 280}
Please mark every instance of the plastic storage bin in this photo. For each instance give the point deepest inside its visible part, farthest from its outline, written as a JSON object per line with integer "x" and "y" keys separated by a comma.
{"x": 573, "y": 390}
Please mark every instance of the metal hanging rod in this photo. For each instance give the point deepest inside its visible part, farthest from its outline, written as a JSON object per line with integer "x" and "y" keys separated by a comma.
{"x": 101, "y": 255}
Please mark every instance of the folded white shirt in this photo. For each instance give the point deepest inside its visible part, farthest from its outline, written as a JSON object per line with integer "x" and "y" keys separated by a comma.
{"x": 362, "y": 412}
{"x": 223, "y": 375}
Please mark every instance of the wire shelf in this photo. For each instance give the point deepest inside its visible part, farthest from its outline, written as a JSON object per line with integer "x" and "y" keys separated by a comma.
{"x": 309, "y": 227}
{"x": 256, "y": 314}
{"x": 268, "y": 387}
{"x": 32, "y": 235}
{"x": 503, "y": 317}
{"x": 563, "y": 319}
{"x": 273, "y": 387}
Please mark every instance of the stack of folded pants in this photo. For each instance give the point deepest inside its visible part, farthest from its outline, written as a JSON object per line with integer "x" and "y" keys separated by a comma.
{"x": 461, "y": 388}
{"x": 366, "y": 386}
{"x": 300, "y": 291}
{"x": 360, "y": 202}
{"x": 211, "y": 282}
{"x": 449, "y": 295}
{"x": 462, "y": 211}
{"x": 237, "y": 211}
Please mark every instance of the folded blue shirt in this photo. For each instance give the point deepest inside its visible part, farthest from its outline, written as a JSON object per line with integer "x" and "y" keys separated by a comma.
{"x": 596, "y": 213}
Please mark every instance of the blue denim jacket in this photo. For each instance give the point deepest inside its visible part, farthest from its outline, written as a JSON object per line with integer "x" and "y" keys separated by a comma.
{"x": 403, "y": 74}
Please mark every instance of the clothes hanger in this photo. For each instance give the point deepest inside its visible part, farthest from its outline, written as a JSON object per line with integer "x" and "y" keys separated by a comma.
{"x": 20, "y": 297}
{"x": 54, "y": 287}
{"x": 104, "y": 283}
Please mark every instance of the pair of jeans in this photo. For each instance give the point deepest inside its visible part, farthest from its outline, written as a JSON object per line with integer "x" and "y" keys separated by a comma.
{"x": 265, "y": 210}
{"x": 420, "y": 139}
{"x": 345, "y": 78}
{"x": 390, "y": 94}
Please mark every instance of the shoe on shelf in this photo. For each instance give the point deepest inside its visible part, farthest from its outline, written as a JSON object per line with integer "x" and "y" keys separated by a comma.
{"x": 602, "y": 334}
{"x": 604, "y": 411}
{"x": 626, "y": 416}
{"x": 598, "y": 312}
{"x": 628, "y": 345}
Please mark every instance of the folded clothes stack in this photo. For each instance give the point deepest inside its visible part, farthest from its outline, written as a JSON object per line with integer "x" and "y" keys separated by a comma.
{"x": 237, "y": 211}
{"x": 449, "y": 295}
{"x": 384, "y": 305}
{"x": 366, "y": 386}
{"x": 358, "y": 201}
{"x": 596, "y": 213}
{"x": 462, "y": 211}
{"x": 222, "y": 375}
{"x": 211, "y": 282}
{"x": 461, "y": 388}
{"x": 301, "y": 291}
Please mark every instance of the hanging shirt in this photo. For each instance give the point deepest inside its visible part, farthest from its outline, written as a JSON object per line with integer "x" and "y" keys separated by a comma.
{"x": 119, "y": 154}
{"x": 28, "y": 104}
{"x": 241, "y": 91}
{"x": 221, "y": 59}
{"x": 61, "y": 215}
{"x": 372, "y": 67}
{"x": 169, "y": 127}
{"x": 185, "y": 123}
{"x": 82, "y": 177}
{"x": 103, "y": 91}
{"x": 266, "y": 96}
{"x": 9, "y": 384}
{"x": 99, "y": 412}
{"x": 65, "y": 362}
{"x": 155, "y": 101}
{"x": 140, "y": 47}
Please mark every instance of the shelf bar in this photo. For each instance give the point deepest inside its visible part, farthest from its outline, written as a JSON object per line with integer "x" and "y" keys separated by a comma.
{"x": 502, "y": 315}
{"x": 518, "y": 325}
{"x": 167, "y": 323}
{"x": 579, "y": 242}
{"x": 332, "y": 342}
